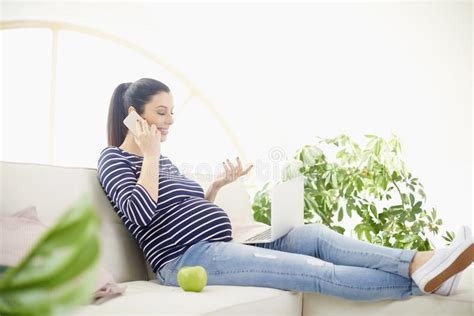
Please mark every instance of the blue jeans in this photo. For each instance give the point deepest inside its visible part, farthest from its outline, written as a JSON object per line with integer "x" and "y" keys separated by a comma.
{"x": 310, "y": 258}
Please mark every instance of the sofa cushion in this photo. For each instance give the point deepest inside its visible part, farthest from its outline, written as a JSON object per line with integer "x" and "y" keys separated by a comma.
{"x": 53, "y": 189}
{"x": 149, "y": 297}
{"x": 18, "y": 233}
{"x": 461, "y": 303}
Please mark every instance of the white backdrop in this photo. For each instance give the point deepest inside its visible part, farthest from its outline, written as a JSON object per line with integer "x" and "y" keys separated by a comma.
{"x": 279, "y": 74}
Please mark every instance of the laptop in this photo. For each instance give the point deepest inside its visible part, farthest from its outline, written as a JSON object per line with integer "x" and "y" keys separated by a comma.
{"x": 287, "y": 211}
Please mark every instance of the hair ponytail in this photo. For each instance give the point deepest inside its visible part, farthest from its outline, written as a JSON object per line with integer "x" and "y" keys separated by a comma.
{"x": 137, "y": 94}
{"x": 116, "y": 130}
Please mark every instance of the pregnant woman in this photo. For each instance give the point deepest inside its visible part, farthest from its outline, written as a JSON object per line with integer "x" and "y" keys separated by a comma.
{"x": 176, "y": 223}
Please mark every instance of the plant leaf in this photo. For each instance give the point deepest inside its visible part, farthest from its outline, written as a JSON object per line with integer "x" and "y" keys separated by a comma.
{"x": 59, "y": 272}
{"x": 340, "y": 215}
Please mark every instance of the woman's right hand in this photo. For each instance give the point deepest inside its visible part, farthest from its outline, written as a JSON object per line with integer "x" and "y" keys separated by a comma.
{"x": 148, "y": 138}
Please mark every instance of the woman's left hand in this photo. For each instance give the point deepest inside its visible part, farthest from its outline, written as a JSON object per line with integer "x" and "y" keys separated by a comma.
{"x": 231, "y": 173}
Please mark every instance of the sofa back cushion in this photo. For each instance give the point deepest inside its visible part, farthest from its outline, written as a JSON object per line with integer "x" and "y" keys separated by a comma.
{"x": 53, "y": 189}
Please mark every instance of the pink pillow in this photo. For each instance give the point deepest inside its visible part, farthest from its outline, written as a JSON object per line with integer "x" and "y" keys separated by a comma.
{"x": 18, "y": 234}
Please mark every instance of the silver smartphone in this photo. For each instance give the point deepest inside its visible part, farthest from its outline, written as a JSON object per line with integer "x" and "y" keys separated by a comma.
{"x": 131, "y": 122}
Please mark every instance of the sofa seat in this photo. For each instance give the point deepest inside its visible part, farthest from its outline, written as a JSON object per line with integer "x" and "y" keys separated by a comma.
{"x": 462, "y": 303}
{"x": 149, "y": 297}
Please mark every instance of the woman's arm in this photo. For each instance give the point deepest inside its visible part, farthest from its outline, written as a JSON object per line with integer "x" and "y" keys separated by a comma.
{"x": 149, "y": 176}
{"x": 212, "y": 192}
{"x": 136, "y": 199}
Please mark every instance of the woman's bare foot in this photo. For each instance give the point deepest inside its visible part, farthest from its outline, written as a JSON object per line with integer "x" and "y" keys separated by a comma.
{"x": 420, "y": 258}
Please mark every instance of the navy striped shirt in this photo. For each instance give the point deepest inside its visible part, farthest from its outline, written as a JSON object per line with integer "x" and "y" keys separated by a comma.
{"x": 163, "y": 229}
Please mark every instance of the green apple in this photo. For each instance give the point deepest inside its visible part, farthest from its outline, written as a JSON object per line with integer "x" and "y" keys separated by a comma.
{"x": 192, "y": 278}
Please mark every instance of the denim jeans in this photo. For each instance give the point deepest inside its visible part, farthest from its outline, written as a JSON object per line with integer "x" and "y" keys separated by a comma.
{"x": 310, "y": 258}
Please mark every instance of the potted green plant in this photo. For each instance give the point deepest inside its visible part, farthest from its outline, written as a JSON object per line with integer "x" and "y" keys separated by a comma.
{"x": 372, "y": 183}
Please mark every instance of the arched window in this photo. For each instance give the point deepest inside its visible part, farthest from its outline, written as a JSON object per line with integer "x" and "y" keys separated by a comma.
{"x": 58, "y": 79}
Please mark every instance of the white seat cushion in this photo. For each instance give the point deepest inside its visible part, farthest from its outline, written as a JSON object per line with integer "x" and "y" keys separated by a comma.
{"x": 462, "y": 303}
{"x": 149, "y": 297}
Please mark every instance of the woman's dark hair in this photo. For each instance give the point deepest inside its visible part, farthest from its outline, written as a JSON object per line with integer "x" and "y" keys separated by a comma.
{"x": 135, "y": 94}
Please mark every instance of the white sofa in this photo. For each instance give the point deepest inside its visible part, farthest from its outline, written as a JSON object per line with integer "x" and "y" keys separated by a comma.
{"x": 52, "y": 189}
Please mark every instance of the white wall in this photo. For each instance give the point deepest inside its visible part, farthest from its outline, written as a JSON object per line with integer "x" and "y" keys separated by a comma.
{"x": 282, "y": 74}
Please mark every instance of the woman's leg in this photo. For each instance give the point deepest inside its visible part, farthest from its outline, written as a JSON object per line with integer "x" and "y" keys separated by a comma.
{"x": 229, "y": 263}
{"x": 319, "y": 241}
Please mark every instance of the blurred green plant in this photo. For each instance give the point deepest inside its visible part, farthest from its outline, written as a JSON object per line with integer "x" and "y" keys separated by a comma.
{"x": 372, "y": 182}
{"x": 60, "y": 271}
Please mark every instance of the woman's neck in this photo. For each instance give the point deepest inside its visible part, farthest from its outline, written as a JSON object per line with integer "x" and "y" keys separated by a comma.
{"x": 130, "y": 145}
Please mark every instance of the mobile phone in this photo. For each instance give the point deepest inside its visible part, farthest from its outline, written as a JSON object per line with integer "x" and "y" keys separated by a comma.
{"x": 131, "y": 120}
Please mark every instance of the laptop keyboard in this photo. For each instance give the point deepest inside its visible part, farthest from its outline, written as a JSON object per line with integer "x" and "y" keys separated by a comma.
{"x": 264, "y": 235}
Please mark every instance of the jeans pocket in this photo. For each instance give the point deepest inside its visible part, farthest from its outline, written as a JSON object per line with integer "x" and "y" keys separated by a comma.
{"x": 159, "y": 276}
{"x": 164, "y": 274}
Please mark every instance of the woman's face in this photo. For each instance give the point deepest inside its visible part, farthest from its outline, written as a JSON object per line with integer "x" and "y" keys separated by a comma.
{"x": 159, "y": 111}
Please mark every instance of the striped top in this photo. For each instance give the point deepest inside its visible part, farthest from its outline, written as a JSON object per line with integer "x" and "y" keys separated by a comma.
{"x": 163, "y": 229}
